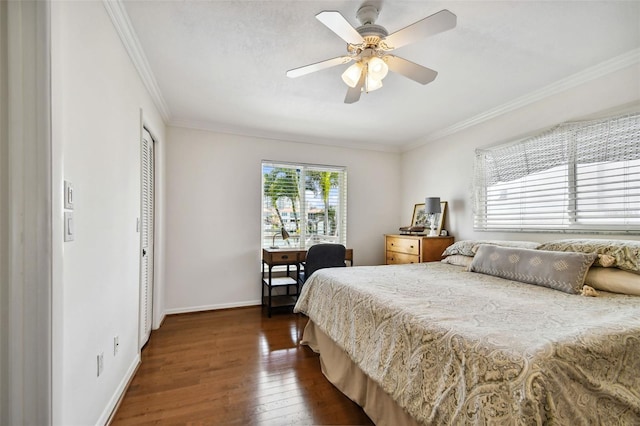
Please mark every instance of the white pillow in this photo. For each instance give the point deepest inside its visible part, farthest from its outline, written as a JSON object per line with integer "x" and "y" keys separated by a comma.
{"x": 458, "y": 259}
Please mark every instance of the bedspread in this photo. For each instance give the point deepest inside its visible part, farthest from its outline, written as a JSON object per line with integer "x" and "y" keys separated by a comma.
{"x": 456, "y": 347}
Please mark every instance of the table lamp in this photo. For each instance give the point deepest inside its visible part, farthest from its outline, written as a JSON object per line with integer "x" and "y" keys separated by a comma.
{"x": 432, "y": 208}
{"x": 283, "y": 233}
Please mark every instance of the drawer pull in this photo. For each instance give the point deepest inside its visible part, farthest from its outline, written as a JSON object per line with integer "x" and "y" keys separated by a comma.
{"x": 411, "y": 246}
{"x": 284, "y": 256}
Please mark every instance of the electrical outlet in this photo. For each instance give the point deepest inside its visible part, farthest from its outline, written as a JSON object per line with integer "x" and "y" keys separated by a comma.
{"x": 69, "y": 227}
{"x": 116, "y": 345}
{"x": 100, "y": 363}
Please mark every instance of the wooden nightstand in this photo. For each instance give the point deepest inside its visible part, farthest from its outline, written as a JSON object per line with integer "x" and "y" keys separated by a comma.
{"x": 414, "y": 249}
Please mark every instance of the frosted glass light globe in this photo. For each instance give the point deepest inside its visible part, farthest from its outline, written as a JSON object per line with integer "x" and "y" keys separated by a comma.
{"x": 378, "y": 68}
{"x": 352, "y": 75}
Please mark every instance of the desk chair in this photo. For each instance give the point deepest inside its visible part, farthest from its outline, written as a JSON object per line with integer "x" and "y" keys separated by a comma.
{"x": 322, "y": 256}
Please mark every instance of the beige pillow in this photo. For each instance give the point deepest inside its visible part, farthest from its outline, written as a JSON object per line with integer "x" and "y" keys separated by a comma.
{"x": 621, "y": 254}
{"x": 564, "y": 271}
{"x": 613, "y": 280}
{"x": 458, "y": 259}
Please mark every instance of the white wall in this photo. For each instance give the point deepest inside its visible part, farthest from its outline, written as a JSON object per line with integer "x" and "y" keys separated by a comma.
{"x": 213, "y": 212}
{"x": 444, "y": 167}
{"x": 97, "y": 97}
{"x": 25, "y": 212}
{"x": 4, "y": 219}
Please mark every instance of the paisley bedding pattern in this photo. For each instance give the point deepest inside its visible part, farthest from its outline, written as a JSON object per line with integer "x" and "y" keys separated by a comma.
{"x": 457, "y": 347}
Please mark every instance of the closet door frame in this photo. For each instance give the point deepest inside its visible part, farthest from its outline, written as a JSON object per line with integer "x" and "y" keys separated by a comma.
{"x": 147, "y": 227}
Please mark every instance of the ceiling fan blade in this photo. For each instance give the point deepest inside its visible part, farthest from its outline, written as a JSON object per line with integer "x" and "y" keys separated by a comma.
{"x": 339, "y": 25}
{"x": 415, "y": 72}
{"x": 308, "y": 69}
{"x": 353, "y": 94}
{"x": 433, "y": 24}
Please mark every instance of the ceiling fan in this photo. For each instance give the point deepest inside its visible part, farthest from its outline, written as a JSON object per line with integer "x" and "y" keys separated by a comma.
{"x": 369, "y": 46}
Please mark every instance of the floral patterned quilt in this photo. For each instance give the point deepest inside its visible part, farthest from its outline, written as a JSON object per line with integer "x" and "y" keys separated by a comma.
{"x": 457, "y": 347}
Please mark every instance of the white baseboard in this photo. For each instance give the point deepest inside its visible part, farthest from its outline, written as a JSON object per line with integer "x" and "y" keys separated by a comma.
{"x": 105, "y": 417}
{"x": 212, "y": 307}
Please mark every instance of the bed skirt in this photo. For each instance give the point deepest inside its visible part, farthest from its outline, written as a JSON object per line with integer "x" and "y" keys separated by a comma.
{"x": 345, "y": 375}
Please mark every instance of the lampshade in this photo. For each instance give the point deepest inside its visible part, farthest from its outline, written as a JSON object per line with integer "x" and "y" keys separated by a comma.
{"x": 372, "y": 84}
{"x": 432, "y": 205}
{"x": 352, "y": 75}
{"x": 378, "y": 68}
{"x": 283, "y": 233}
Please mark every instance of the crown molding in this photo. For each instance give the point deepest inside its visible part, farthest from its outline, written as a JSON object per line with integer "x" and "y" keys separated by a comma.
{"x": 607, "y": 67}
{"x": 281, "y": 137}
{"x": 122, "y": 24}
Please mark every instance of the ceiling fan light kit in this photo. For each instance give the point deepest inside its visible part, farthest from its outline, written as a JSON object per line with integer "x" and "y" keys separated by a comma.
{"x": 374, "y": 68}
{"x": 369, "y": 46}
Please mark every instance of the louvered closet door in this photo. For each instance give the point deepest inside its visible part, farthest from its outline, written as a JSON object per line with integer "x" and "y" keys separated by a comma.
{"x": 146, "y": 239}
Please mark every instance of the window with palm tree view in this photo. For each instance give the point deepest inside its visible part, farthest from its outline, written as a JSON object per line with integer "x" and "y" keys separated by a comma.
{"x": 308, "y": 201}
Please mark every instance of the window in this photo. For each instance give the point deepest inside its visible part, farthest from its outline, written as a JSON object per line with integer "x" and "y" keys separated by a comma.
{"x": 308, "y": 201}
{"x": 576, "y": 177}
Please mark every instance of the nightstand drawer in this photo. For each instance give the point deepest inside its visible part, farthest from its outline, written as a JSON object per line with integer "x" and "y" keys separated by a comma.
{"x": 286, "y": 258}
{"x": 403, "y": 245}
{"x": 399, "y": 258}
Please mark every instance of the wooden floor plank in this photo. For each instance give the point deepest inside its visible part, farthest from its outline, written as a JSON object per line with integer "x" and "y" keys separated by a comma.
{"x": 233, "y": 367}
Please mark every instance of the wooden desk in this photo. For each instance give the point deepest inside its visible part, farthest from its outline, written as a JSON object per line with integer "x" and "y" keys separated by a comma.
{"x": 288, "y": 256}
{"x": 284, "y": 257}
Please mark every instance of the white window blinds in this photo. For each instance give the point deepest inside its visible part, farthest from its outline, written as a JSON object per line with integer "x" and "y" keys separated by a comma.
{"x": 308, "y": 201}
{"x": 576, "y": 177}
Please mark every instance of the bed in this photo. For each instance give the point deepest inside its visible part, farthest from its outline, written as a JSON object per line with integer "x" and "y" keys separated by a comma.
{"x": 435, "y": 343}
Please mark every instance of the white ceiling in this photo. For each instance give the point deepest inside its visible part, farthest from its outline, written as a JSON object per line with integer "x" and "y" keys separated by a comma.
{"x": 221, "y": 65}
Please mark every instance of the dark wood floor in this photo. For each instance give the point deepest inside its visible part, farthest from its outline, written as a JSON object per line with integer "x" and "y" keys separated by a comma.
{"x": 233, "y": 366}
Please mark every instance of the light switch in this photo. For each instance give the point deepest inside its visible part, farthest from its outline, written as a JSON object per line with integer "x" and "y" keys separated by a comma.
{"x": 68, "y": 195}
{"x": 69, "y": 227}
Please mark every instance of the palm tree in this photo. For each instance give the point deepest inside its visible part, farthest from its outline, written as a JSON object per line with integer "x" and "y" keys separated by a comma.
{"x": 321, "y": 183}
{"x": 272, "y": 191}
{"x": 289, "y": 186}
{"x": 282, "y": 182}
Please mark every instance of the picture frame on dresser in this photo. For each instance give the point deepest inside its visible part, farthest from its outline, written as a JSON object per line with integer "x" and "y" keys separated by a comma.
{"x": 421, "y": 218}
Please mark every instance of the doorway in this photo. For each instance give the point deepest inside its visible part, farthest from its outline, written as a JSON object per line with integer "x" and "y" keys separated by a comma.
{"x": 146, "y": 236}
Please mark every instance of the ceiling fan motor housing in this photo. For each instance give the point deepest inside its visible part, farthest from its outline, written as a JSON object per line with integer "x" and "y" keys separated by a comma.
{"x": 372, "y": 30}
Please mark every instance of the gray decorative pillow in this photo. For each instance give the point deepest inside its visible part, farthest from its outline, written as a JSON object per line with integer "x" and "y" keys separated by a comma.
{"x": 625, "y": 252}
{"x": 465, "y": 247}
{"x": 562, "y": 271}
